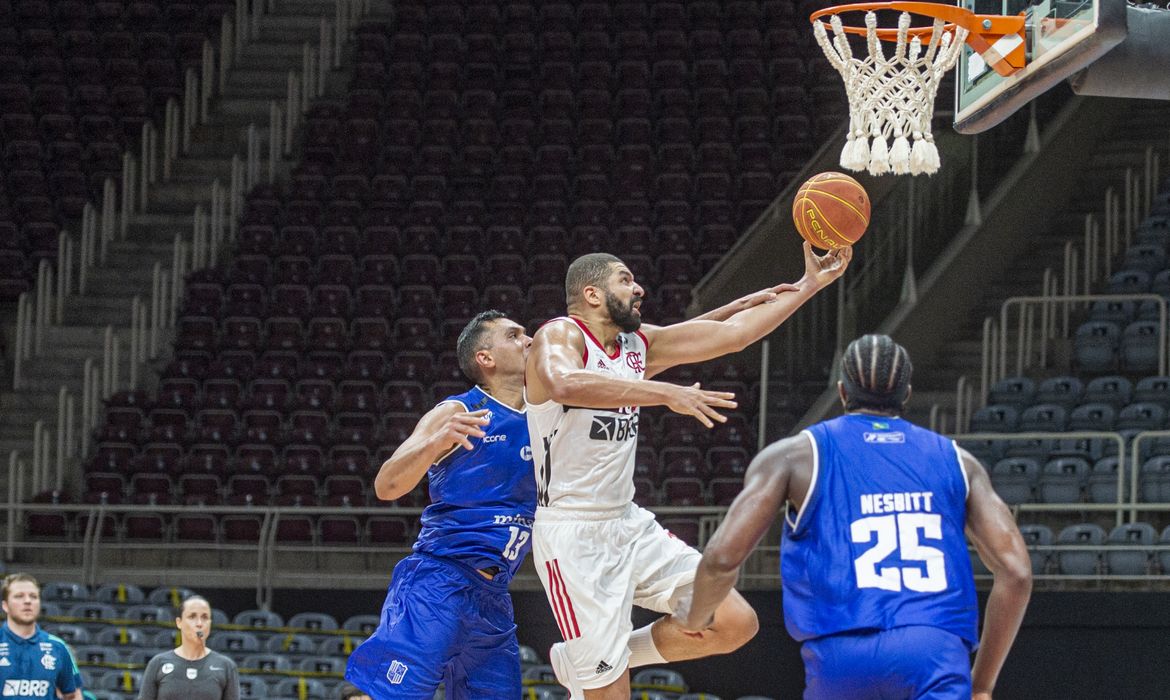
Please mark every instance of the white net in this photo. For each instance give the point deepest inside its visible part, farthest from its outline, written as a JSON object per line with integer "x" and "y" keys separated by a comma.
{"x": 891, "y": 100}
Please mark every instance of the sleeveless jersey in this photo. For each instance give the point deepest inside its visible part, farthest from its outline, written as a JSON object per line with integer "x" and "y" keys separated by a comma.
{"x": 584, "y": 457}
{"x": 879, "y": 542}
{"x": 483, "y": 500}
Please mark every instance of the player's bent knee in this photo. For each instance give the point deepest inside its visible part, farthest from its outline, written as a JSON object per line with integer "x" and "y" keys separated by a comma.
{"x": 736, "y": 622}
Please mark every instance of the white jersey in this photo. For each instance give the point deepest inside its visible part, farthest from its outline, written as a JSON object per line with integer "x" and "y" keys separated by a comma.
{"x": 584, "y": 457}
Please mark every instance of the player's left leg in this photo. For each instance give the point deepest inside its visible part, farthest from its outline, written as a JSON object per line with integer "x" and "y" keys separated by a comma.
{"x": 487, "y": 664}
{"x": 665, "y": 566}
{"x": 735, "y": 624}
{"x": 939, "y": 663}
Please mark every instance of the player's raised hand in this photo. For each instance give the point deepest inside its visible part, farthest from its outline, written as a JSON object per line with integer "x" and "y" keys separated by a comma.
{"x": 822, "y": 270}
{"x": 695, "y": 401}
{"x": 461, "y": 427}
{"x": 981, "y": 696}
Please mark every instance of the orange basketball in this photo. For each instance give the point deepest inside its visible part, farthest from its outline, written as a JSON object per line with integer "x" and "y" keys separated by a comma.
{"x": 831, "y": 210}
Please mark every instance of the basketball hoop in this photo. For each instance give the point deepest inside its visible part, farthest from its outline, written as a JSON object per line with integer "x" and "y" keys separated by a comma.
{"x": 891, "y": 99}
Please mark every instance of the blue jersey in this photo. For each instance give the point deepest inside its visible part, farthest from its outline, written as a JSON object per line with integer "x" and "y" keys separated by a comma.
{"x": 483, "y": 500}
{"x": 35, "y": 668}
{"x": 878, "y": 542}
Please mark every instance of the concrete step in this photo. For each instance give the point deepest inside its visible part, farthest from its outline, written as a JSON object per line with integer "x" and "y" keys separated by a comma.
{"x": 113, "y": 311}
{"x": 135, "y": 249}
{"x": 14, "y": 403}
{"x": 120, "y": 283}
{"x": 303, "y": 7}
{"x": 21, "y": 445}
{"x": 17, "y": 433}
{"x": 206, "y": 168}
{"x": 219, "y": 150}
{"x": 273, "y": 89}
{"x": 82, "y": 335}
{"x": 178, "y": 196}
{"x": 272, "y": 55}
{"x": 25, "y": 418}
{"x": 250, "y": 109}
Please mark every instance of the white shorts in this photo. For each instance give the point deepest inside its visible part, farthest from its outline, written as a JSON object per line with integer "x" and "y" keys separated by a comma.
{"x": 595, "y": 566}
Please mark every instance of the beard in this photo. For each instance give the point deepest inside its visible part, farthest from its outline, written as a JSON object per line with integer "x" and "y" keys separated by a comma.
{"x": 623, "y": 316}
{"x": 22, "y": 618}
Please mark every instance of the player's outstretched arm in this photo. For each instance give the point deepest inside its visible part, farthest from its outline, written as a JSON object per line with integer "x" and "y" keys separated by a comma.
{"x": 997, "y": 539}
{"x": 555, "y": 371}
{"x": 765, "y": 489}
{"x": 764, "y": 296}
{"x": 444, "y": 428}
{"x": 697, "y": 340}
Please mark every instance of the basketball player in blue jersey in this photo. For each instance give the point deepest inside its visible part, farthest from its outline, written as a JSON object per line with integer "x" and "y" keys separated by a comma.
{"x": 876, "y": 573}
{"x": 448, "y": 616}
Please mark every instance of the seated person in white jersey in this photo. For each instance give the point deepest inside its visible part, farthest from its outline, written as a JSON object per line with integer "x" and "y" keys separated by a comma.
{"x": 597, "y": 553}
{"x": 876, "y": 574}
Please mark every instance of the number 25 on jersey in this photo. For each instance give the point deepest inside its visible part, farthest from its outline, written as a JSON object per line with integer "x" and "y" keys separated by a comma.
{"x": 900, "y": 532}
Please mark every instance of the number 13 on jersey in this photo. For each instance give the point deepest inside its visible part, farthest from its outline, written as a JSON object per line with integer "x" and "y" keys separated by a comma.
{"x": 900, "y": 532}
{"x": 516, "y": 542}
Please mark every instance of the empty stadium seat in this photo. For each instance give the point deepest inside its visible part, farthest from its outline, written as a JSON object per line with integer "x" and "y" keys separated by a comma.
{"x": 1062, "y": 480}
{"x": 1080, "y": 562}
{"x": 1125, "y": 561}
{"x": 1014, "y": 479}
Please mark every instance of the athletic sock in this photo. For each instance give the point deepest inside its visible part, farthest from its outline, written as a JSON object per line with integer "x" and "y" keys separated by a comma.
{"x": 642, "y": 649}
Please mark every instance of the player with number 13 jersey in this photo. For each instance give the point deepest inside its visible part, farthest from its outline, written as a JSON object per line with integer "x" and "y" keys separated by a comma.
{"x": 448, "y": 617}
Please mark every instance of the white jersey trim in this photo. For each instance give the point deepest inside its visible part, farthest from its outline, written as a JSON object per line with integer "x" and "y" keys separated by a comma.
{"x": 962, "y": 469}
{"x": 812, "y": 484}
{"x": 501, "y": 404}
{"x": 451, "y": 451}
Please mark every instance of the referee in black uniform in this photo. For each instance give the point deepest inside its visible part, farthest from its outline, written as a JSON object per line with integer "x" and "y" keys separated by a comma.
{"x": 191, "y": 672}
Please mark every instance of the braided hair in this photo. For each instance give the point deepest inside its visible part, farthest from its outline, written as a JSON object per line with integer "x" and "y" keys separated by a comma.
{"x": 876, "y": 373}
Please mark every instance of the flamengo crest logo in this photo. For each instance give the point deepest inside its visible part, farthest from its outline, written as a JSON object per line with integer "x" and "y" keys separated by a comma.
{"x": 634, "y": 360}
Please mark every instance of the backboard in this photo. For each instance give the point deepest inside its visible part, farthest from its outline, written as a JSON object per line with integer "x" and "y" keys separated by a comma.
{"x": 1061, "y": 37}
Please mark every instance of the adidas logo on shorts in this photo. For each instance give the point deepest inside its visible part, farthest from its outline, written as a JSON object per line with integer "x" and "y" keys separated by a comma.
{"x": 602, "y": 668}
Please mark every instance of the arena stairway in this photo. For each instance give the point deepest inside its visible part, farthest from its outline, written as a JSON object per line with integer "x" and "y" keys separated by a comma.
{"x": 257, "y": 77}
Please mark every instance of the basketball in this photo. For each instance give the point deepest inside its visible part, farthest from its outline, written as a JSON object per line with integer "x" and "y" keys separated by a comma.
{"x": 831, "y": 210}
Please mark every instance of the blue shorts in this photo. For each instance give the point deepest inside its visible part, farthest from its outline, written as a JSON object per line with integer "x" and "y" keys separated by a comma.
{"x": 895, "y": 664}
{"x": 441, "y": 622}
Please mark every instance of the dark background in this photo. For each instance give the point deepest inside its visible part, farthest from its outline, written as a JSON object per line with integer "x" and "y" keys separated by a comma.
{"x": 1072, "y": 645}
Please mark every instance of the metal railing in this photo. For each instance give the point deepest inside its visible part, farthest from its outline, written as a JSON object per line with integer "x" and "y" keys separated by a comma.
{"x": 266, "y": 563}
{"x": 1085, "y": 264}
{"x": 1117, "y": 438}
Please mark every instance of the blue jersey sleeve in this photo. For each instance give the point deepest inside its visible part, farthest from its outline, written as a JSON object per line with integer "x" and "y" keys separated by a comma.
{"x": 68, "y": 674}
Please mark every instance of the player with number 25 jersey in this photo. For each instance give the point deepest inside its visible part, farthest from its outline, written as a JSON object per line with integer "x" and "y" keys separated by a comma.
{"x": 874, "y": 561}
{"x": 878, "y": 542}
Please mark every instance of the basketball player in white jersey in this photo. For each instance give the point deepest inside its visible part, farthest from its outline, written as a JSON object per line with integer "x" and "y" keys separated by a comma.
{"x": 596, "y": 552}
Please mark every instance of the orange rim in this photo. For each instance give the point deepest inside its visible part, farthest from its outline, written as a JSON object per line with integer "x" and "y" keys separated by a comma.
{"x": 953, "y": 16}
